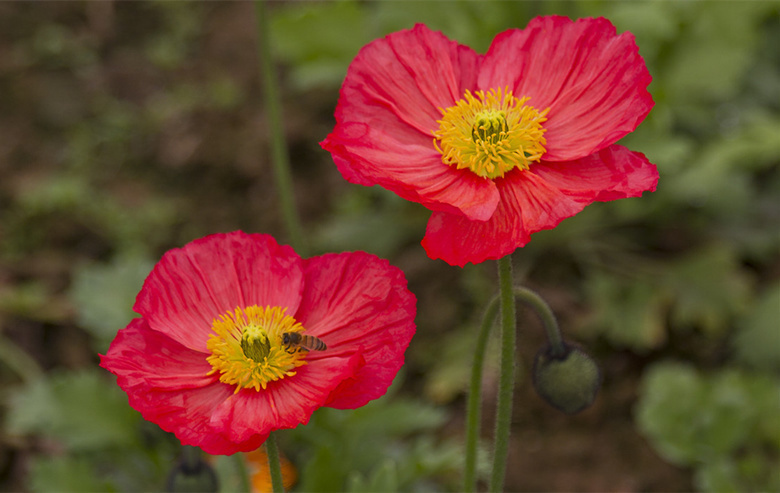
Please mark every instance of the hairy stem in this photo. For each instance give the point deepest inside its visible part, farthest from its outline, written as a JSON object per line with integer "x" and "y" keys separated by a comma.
{"x": 280, "y": 156}
{"x": 506, "y": 381}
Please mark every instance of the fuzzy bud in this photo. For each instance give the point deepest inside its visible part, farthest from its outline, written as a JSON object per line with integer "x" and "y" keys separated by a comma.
{"x": 568, "y": 381}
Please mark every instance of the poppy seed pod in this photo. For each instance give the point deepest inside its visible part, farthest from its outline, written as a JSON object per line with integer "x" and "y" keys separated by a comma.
{"x": 569, "y": 381}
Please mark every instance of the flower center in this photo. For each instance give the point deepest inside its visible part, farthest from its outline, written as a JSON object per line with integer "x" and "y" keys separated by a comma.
{"x": 247, "y": 350}
{"x": 491, "y": 133}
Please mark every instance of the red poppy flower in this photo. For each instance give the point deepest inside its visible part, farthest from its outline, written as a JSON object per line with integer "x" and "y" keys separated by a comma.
{"x": 499, "y": 145}
{"x": 239, "y": 336}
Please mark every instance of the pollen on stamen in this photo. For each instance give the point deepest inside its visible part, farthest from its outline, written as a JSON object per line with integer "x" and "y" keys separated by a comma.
{"x": 491, "y": 133}
{"x": 246, "y": 347}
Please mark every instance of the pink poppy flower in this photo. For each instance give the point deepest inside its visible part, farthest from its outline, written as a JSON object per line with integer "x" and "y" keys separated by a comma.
{"x": 239, "y": 336}
{"x": 501, "y": 145}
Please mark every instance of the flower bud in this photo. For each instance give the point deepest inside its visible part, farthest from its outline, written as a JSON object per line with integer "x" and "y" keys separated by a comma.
{"x": 568, "y": 381}
{"x": 192, "y": 473}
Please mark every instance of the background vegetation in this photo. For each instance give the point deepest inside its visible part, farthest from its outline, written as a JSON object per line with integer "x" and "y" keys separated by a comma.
{"x": 128, "y": 128}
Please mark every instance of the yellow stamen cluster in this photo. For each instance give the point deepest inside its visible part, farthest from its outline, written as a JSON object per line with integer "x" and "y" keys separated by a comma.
{"x": 491, "y": 133}
{"x": 246, "y": 347}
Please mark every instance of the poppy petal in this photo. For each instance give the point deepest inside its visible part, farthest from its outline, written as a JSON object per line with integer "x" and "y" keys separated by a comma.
{"x": 169, "y": 385}
{"x": 359, "y": 304}
{"x": 284, "y": 403}
{"x": 390, "y": 102}
{"x": 141, "y": 356}
{"x": 538, "y": 199}
{"x": 193, "y": 285}
{"x": 172, "y": 384}
{"x": 610, "y": 174}
{"x": 420, "y": 176}
{"x": 594, "y": 81}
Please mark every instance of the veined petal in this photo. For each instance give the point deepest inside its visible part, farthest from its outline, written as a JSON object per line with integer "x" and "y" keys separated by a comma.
{"x": 527, "y": 204}
{"x": 193, "y": 285}
{"x": 252, "y": 376}
{"x": 359, "y": 305}
{"x": 594, "y": 81}
{"x": 413, "y": 170}
{"x": 610, "y": 174}
{"x": 390, "y": 102}
{"x": 537, "y": 199}
{"x": 168, "y": 384}
{"x": 143, "y": 357}
{"x": 285, "y": 403}
{"x": 401, "y": 80}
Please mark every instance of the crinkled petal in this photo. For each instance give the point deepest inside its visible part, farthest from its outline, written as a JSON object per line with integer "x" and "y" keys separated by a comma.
{"x": 538, "y": 199}
{"x": 169, "y": 384}
{"x": 142, "y": 357}
{"x": 285, "y": 403}
{"x": 414, "y": 171}
{"x": 594, "y": 81}
{"x": 193, "y": 285}
{"x": 390, "y": 102}
{"x": 359, "y": 304}
{"x": 401, "y": 81}
{"x": 610, "y": 174}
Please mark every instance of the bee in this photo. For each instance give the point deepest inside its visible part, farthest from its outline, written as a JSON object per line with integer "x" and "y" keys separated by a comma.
{"x": 294, "y": 341}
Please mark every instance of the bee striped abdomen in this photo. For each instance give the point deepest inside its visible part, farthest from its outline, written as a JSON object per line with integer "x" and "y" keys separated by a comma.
{"x": 294, "y": 341}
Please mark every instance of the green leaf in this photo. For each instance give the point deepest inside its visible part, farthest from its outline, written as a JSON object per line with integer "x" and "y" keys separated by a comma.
{"x": 384, "y": 478}
{"x": 64, "y": 474}
{"x": 449, "y": 368}
{"x": 324, "y": 62}
{"x": 718, "y": 476}
{"x": 757, "y": 341}
{"x": 629, "y": 312}
{"x": 346, "y": 446}
{"x": 723, "y": 424}
{"x": 708, "y": 287}
{"x": 714, "y": 50}
{"x": 104, "y": 294}
{"x": 729, "y": 414}
{"x": 31, "y": 408}
{"x": 672, "y": 395}
{"x": 325, "y": 469}
{"x": 83, "y": 410}
{"x": 395, "y": 418}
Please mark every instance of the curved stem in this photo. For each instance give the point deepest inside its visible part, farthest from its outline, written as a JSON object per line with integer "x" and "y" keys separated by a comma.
{"x": 506, "y": 381}
{"x": 280, "y": 157}
{"x": 474, "y": 411}
{"x": 273, "y": 464}
{"x": 549, "y": 321}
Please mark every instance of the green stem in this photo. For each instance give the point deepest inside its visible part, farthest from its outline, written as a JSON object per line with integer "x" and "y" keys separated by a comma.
{"x": 243, "y": 472}
{"x": 280, "y": 157}
{"x": 273, "y": 464}
{"x": 474, "y": 411}
{"x": 549, "y": 321}
{"x": 506, "y": 381}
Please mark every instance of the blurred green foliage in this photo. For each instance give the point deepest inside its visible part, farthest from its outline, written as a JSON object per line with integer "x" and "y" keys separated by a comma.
{"x": 101, "y": 292}
{"x": 95, "y": 441}
{"x": 113, "y": 159}
{"x": 386, "y": 445}
{"x": 723, "y": 424}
